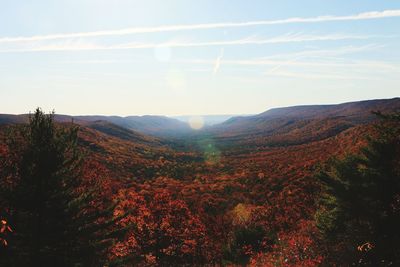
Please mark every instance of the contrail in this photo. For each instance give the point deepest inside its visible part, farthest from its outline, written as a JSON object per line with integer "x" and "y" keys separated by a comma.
{"x": 288, "y": 38}
{"x": 168, "y": 28}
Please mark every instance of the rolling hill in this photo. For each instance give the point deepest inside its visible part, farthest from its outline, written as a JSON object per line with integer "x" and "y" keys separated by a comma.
{"x": 159, "y": 126}
{"x": 151, "y": 125}
{"x": 300, "y": 124}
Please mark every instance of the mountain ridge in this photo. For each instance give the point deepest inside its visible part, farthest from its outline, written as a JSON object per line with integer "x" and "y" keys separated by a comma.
{"x": 280, "y": 120}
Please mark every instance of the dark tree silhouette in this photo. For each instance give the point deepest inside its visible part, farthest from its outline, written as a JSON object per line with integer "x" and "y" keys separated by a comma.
{"x": 55, "y": 219}
{"x": 360, "y": 210}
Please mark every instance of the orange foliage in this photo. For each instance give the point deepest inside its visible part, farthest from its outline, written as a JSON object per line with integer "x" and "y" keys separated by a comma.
{"x": 5, "y": 229}
{"x": 180, "y": 210}
{"x": 163, "y": 230}
{"x": 293, "y": 249}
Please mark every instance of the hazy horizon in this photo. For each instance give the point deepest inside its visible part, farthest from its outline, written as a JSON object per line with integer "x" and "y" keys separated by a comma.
{"x": 192, "y": 115}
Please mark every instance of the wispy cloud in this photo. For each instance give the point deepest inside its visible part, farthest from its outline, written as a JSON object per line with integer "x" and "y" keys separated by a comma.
{"x": 168, "y": 28}
{"x": 312, "y": 58}
{"x": 72, "y": 45}
{"x": 218, "y": 61}
{"x": 317, "y": 53}
{"x": 96, "y": 61}
{"x": 320, "y": 54}
{"x": 354, "y": 65}
{"x": 359, "y": 65}
{"x": 316, "y": 60}
{"x": 318, "y": 75}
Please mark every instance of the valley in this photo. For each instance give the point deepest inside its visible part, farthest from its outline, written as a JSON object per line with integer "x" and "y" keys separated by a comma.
{"x": 229, "y": 194}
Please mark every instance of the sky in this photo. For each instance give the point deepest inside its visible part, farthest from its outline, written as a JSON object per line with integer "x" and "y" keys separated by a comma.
{"x": 182, "y": 57}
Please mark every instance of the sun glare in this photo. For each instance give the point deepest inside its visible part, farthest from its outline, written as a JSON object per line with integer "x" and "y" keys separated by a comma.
{"x": 196, "y": 122}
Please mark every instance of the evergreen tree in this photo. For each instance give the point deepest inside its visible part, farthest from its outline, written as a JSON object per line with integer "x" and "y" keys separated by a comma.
{"x": 55, "y": 218}
{"x": 359, "y": 213}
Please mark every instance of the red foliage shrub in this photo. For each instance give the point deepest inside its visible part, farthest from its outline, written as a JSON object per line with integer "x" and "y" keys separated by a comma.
{"x": 298, "y": 248}
{"x": 163, "y": 230}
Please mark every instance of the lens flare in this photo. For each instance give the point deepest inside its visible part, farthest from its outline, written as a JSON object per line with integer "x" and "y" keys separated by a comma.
{"x": 212, "y": 155}
{"x": 196, "y": 122}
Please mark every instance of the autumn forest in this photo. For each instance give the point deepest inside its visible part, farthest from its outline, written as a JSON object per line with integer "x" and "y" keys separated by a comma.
{"x": 296, "y": 186}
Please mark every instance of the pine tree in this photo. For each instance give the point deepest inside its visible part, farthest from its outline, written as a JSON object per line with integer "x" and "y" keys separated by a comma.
{"x": 359, "y": 213}
{"x": 55, "y": 218}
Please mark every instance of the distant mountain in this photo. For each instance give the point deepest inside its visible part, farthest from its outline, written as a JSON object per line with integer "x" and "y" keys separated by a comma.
{"x": 288, "y": 125}
{"x": 152, "y": 125}
{"x": 149, "y": 125}
{"x": 12, "y": 119}
{"x": 121, "y": 132}
{"x": 301, "y": 124}
{"x": 360, "y": 110}
{"x": 209, "y": 120}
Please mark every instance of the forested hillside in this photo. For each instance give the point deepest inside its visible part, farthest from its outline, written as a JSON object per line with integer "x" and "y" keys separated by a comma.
{"x": 300, "y": 186}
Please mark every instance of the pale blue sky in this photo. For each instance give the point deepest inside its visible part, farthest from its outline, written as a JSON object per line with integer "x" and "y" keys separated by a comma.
{"x": 127, "y": 57}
